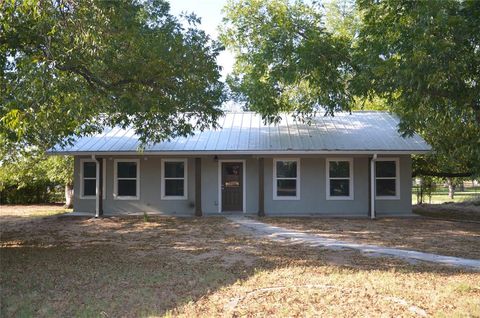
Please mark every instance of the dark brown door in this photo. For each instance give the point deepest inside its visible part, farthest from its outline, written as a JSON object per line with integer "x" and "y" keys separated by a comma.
{"x": 232, "y": 186}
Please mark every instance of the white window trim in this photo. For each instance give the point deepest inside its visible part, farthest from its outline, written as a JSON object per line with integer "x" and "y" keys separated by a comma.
{"x": 350, "y": 179}
{"x": 274, "y": 179}
{"x": 397, "y": 180}
{"x": 244, "y": 188}
{"x": 115, "y": 180}
{"x": 185, "y": 180}
{"x": 104, "y": 177}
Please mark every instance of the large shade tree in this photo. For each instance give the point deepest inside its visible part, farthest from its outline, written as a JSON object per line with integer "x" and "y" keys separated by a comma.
{"x": 418, "y": 59}
{"x": 424, "y": 59}
{"x": 286, "y": 60}
{"x": 69, "y": 68}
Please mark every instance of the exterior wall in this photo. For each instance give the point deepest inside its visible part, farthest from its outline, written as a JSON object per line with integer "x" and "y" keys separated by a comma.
{"x": 150, "y": 190}
{"x": 313, "y": 186}
{"x": 313, "y": 190}
{"x": 404, "y": 204}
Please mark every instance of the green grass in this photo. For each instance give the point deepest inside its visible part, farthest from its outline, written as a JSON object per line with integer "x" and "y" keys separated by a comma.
{"x": 440, "y": 195}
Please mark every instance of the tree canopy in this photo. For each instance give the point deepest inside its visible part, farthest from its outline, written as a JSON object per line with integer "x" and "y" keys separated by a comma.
{"x": 286, "y": 60}
{"x": 424, "y": 59}
{"x": 418, "y": 59}
{"x": 71, "y": 67}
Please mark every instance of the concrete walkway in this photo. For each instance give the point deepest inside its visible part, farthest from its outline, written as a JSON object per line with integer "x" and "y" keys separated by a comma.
{"x": 282, "y": 234}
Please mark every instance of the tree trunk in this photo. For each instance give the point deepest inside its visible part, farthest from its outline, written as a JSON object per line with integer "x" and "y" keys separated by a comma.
{"x": 451, "y": 189}
{"x": 69, "y": 196}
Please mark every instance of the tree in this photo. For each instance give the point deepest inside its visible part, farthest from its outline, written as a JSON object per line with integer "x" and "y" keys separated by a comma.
{"x": 59, "y": 169}
{"x": 417, "y": 59}
{"x": 285, "y": 58}
{"x": 71, "y": 67}
{"x": 33, "y": 177}
{"x": 424, "y": 59}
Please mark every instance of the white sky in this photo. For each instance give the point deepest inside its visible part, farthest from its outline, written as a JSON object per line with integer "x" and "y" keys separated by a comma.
{"x": 210, "y": 11}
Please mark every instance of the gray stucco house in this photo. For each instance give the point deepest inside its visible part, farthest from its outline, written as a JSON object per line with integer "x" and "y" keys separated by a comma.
{"x": 348, "y": 165}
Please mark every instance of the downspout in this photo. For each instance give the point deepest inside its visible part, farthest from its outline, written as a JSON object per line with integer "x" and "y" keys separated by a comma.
{"x": 97, "y": 187}
{"x": 372, "y": 187}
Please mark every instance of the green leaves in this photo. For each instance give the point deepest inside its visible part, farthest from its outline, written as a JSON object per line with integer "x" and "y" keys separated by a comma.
{"x": 285, "y": 60}
{"x": 424, "y": 59}
{"x": 417, "y": 59}
{"x": 69, "y": 68}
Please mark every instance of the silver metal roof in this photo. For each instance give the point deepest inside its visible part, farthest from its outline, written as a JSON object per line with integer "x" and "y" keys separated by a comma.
{"x": 245, "y": 132}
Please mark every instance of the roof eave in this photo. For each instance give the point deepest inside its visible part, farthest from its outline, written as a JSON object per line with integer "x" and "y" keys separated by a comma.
{"x": 243, "y": 152}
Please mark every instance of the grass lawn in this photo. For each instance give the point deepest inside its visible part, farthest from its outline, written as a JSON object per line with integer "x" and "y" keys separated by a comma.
{"x": 33, "y": 210}
{"x": 440, "y": 195}
{"x": 64, "y": 266}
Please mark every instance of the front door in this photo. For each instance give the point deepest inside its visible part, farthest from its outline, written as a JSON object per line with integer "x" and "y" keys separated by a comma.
{"x": 232, "y": 186}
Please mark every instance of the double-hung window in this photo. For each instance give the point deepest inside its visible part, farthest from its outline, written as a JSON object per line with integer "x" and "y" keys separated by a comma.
{"x": 174, "y": 179}
{"x": 339, "y": 179}
{"x": 127, "y": 179}
{"x": 387, "y": 181}
{"x": 88, "y": 178}
{"x": 286, "y": 179}
{"x": 88, "y": 173}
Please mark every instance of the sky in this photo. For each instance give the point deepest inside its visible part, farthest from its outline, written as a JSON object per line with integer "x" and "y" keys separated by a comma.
{"x": 210, "y": 11}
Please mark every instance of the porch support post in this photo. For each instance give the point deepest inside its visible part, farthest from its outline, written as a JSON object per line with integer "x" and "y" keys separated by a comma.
{"x": 372, "y": 187}
{"x": 261, "y": 187}
{"x": 198, "y": 187}
{"x": 99, "y": 187}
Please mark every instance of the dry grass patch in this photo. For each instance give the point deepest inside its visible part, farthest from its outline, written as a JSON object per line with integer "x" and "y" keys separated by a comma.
{"x": 32, "y": 210}
{"x": 425, "y": 235}
{"x": 63, "y": 266}
{"x": 468, "y": 210}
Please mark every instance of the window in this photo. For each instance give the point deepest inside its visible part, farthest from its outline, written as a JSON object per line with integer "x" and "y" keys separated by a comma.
{"x": 127, "y": 179}
{"x": 339, "y": 179}
{"x": 88, "y": 177}
{"x": 286, "y": 179}
{"x": 174, "y": 179}
{"x": 387, "y": 179}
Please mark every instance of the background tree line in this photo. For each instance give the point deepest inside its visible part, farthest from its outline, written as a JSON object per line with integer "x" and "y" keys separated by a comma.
{"x": 71, "y": 67}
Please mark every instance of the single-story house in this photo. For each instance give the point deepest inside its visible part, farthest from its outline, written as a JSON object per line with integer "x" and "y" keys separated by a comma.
{"x": 348, "y": 165}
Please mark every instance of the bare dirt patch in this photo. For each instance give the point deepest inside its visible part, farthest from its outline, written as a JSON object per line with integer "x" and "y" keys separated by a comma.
{"x": 426, "y": 235}
{"x": 64, "y": 266}
{"x": 467, "y": 210}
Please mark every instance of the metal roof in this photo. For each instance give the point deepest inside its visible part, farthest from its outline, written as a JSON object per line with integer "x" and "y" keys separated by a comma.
{"x": 245, "y": 132}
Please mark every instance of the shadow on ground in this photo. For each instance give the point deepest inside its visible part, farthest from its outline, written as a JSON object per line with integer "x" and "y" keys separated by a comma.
{"x": 63, "y": 266}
